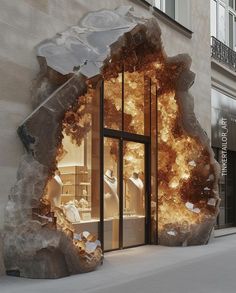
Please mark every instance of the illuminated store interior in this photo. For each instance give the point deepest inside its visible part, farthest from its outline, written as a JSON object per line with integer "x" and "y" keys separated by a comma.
{"x": 115, "y": 155}
{"x": 74, "y": 189}
{"x": 108, "y": 162}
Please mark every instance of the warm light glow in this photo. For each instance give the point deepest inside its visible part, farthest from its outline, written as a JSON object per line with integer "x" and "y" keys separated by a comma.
{"x": 185, "y": 177}
{"x": 184, "y": 153}
{"x": 133, "y": 102}
{"x": 185, "y": 191}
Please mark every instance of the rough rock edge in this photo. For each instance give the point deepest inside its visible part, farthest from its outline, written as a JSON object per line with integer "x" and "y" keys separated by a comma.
{"x": 34, "y": 137}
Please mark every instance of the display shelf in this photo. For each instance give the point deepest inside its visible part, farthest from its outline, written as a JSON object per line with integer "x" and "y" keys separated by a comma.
{"x": 85, "y": 209}
{"x": 72, "y": 173}
{"x": 82, "y": 183}
{"x": 76, "y": 183}
{"x": 66, "y": 198}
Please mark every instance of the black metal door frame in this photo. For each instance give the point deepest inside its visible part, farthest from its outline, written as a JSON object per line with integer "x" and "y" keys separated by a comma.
{"x": 121, "y": 137}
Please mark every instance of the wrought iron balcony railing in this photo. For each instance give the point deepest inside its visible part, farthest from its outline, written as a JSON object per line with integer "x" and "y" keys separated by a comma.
{"x": 223, "y": 53}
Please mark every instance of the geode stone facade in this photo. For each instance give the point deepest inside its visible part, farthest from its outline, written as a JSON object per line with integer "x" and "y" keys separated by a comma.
{"x": 73, "y": 65}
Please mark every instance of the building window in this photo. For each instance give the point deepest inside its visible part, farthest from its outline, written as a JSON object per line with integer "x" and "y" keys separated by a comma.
{"x": 231, "y": 30}
{"x": 223, "y": 21}
{"x": 158, "y": 4}
{"x": 73, "y": 191}
{"x": 213, "y": 18}
{"x": 170, "y": 8}
{"x": 179, "y": 10}
{"x": 231, "y": 3}
{"x": 232, "y": 25}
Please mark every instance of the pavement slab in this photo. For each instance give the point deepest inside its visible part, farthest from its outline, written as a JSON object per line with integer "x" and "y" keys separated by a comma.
{"x": 149, "y": 269}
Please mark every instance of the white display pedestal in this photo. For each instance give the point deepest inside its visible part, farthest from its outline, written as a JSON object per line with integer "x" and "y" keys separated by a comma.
{"x": 133, "y": 231}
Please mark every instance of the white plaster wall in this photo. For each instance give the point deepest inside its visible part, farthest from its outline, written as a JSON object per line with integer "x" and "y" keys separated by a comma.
{"x": 223, "y": 79}
{"x": 25, "y": 23}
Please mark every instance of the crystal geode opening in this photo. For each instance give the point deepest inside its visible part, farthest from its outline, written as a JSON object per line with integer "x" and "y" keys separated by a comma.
{"x": 110, "y": 49}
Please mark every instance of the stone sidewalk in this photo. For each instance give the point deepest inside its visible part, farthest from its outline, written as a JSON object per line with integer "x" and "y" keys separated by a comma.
{"x": 148, "y": 269}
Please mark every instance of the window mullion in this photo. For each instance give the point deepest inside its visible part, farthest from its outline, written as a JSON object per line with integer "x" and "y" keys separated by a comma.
{"x": 217, "y": 19}
{"x": 163, "y": 5}
{"x": 227, "y": 30}
{"x": 177, "y": 4}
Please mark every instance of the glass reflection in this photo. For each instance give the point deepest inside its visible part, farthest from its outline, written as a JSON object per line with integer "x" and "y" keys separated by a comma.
{"x": 153, "y": 166}
{"x": 134, "y": 102}
{"x": 221, "y": 20}
{"x": 113, "y": 103}
{"x": 111, "y": 193}
{"x": 134, "y": 90}
{"x": 133, "y": 195}
{"x": 73, "y": 191}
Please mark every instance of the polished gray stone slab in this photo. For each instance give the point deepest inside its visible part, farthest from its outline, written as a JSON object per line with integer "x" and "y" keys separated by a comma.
{"x": 149, "y": 269}
{"x": 86, "y": 46}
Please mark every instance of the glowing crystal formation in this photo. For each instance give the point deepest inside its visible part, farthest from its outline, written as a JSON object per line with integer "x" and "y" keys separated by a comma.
{"x": 73, "y": 65}
{"x": 89, "y": 251}
{"x": 187, "y": 173}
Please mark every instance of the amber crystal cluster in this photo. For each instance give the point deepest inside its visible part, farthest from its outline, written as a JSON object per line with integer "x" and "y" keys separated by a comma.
{"x": 133, "y": 88}
{"x": 187, "y": 174}
{"x": 89, "y": 249}
{"x": 38, "y": 241}
{"x": 77, "y": 120}
{"x": 186, "y": 192}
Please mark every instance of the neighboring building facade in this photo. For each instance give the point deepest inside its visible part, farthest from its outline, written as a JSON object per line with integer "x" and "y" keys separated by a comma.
{"x": 223, "y": 80}
{"x": 185, "y": 27}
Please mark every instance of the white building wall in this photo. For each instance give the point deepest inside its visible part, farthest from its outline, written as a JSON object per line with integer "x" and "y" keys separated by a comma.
{"x": 223, "y": 78}
{"x": 25, "y": 23}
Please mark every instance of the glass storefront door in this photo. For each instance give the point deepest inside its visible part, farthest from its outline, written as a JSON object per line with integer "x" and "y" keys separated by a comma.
{"x": 124, "y": 223}
{"x": 112, "y": 196}
{"x": 126, "y": 127}
{"x": 133, "y": 194}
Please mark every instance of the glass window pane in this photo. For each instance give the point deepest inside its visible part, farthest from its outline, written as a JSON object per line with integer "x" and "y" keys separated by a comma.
{"x": 235, "y": 33}
{"x": 221, "y": 32}
{"x": 134, "y": 194}
{"x": 170, "y": 8}
{"x": 136, "y": 103}
{"x": 213, "y": 18}
{"x": 111, "y": 193}
{"x": 74, "y": 189}
{"x": 231, "y": 31}
{"x": 183, "y": 12}
{"x": 231, "y": 3}
{"x": 150, "y": 1}
{"x": 113, "y": 103}
{"x": 154, "y": 164}
{"x": 158, "y": 4}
